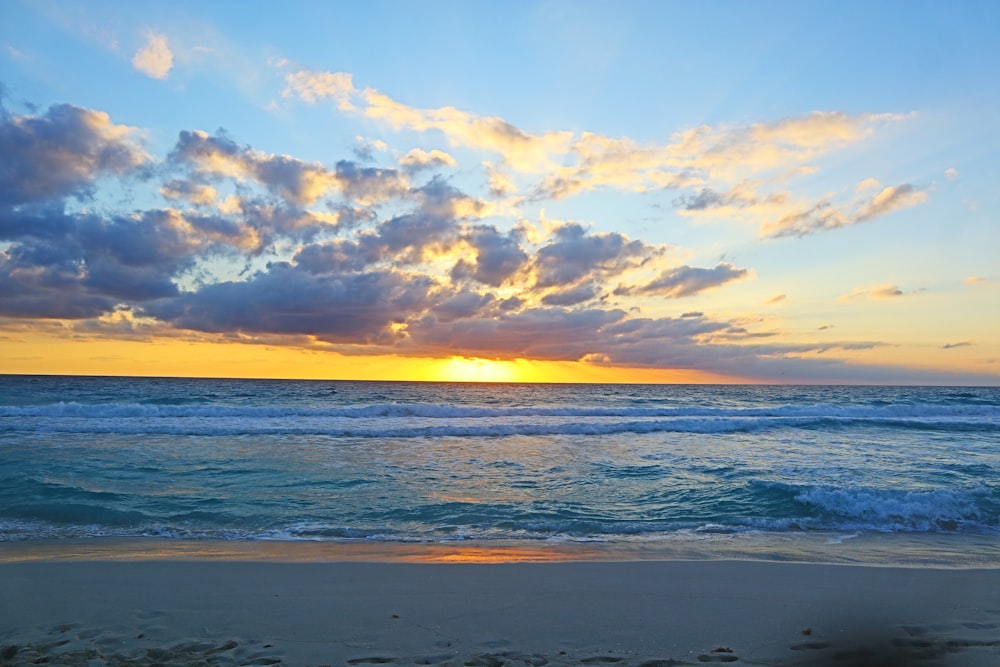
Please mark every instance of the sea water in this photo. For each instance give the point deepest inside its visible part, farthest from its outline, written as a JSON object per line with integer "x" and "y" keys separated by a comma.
{"x": 910, "y": 473}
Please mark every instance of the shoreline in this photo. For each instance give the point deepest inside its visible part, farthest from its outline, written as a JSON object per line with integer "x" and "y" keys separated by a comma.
{"x": 512, "y": 614}
{"x": 935, "y": 551}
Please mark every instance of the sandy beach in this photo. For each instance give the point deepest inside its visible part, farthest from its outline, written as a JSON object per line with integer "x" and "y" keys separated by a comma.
{"x": 182, "y": 611}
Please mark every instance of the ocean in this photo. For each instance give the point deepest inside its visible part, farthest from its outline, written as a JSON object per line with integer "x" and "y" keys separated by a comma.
{"x": 828, "y": 473}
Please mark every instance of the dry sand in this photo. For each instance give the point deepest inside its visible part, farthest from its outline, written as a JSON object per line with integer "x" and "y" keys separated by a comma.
{"x": 604, "y": 614}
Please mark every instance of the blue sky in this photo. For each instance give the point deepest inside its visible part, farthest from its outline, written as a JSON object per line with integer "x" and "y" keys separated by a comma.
{"x": 762, "y": 191}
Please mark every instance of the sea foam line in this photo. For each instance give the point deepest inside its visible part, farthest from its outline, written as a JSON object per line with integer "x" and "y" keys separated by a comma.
{"x": 336, "y": 428}
{"x": 446, "y": 411}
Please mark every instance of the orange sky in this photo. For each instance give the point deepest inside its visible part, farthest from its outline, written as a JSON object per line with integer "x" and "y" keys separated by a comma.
{"x": 50, "y": 355}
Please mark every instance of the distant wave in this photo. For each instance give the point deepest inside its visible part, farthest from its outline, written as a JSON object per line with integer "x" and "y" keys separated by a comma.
{"x": 471, "y": 421}
{"x": 442, "y": 411}
{"x": 679, "y": 425}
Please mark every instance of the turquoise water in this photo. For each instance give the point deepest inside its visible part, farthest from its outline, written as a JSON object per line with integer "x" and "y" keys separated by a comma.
{"x": 438, "y": 462}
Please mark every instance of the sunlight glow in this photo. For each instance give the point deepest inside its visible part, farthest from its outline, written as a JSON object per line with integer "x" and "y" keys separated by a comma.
{"x": 466, "y": 369}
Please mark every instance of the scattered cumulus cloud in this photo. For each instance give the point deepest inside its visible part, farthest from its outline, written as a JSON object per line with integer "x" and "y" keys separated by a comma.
{"x": 154, "y": 58}
{"x": 951, "y": 173}
{"x": 419, "y": 159}
{"x": 62, "y": 152}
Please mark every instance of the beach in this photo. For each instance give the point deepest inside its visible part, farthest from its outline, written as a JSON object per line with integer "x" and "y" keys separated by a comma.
{"x": 459, "y": 609}
{"x": 240, "y": 522}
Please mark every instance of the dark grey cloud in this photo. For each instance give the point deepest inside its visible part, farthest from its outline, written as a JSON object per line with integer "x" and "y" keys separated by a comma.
{"x": 84, "y": 265}
{"x": 535, "y": 333}
{"x": 369, "y": 184}
{"x": 685, "y": 281}
{"x": 336, "y": 256}
{"x": 571, "y": 297}
{"x": 61, "y": 153}
{"x": 353, "y": 309}
{"x": 462, "y": 305}
{"x": 498, "y": 257}
{"x": 574, "y": 255}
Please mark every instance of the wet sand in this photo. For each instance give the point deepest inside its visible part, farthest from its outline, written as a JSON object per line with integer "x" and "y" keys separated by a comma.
{"x": 219, "y": 611}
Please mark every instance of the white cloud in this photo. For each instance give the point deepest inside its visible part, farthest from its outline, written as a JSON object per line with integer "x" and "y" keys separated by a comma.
{"x": 154, "y": 59}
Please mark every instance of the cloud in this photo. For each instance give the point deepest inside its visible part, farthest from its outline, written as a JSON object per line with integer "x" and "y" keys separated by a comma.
{"x": 573, "y": 256}
{"x": 685, "y": 281}
{"x": 950, "y": 346}
{"x": 574, "y": 163}
{"x": 877, "y": 292}
{"x": 496, "y": 257}
{"x": 419, "y": 159}
{"x": 779, "y": 214}
{"x": 519, "y": 149}
{"x": 154, "y": 59}
{"x": 776, "y": 299}
{"x": 315, "y": 86}
{"x": 535, "y": 333}
{"x": 500, "y": 184}
{"x": 354, "y": 308}
{"x": 951, "y": 173}
{"x": 825, "y": 216}
{"x": 571, "y": 297}
{"x": 198, "y": 194}
{"x": 888, "y": 200}
{"x": 62, "y": 153}
{"x": 353, "y": 257}
{"x": 15, "y": 53}
{"x": 76, "y": 265}
{"x": 298, "y": 182}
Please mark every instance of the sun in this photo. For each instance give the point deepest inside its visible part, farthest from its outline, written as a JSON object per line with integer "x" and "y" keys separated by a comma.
{"x": 474, "y": 369}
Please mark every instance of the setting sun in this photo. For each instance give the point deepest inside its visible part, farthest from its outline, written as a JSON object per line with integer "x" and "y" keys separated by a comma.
{"x": 465, "y": 369}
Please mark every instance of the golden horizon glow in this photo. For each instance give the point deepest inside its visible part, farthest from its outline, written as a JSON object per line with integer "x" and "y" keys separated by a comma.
{"x": 475, "y": 369}
{"x": 54, "y": 355}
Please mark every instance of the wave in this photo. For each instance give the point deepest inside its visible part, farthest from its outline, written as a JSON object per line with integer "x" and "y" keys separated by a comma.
{"x": 446, "y": 411}
{"x": 432, "y": 420}
{"x": 292, "y": 428}
{"x": 771, "y": 507}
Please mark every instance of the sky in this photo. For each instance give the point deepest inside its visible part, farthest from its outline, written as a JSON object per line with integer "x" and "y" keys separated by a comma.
{"x": 667, "y": 191}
